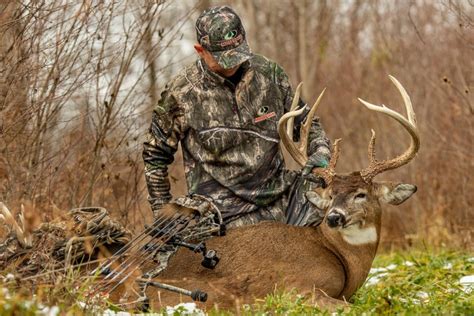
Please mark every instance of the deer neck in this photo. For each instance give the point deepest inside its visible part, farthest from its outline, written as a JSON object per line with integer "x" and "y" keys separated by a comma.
{"x": 355, "y": 247}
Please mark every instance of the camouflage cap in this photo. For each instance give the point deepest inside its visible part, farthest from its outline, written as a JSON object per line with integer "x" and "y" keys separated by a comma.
{"x": 220, "y": 31}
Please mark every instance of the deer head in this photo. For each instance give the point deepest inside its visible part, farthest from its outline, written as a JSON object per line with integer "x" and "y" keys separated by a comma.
{"x": 352, "y": 201}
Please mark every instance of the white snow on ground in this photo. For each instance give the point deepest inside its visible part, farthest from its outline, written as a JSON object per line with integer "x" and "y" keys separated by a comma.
{"x": 391, "y": 266}
{"x": 185, "y": 309}
{"x": 378, "y": 274}
{"x": 377, "y": 270}
{"x": 109, "y": 312}
{"x": 48, "y": 311}
{"x": 467, "y": 283}
{"x": 448, "y": 266}
{"x": 181, "y": 309}
{"x": 374, "y": 279}
{"x": 422, "y": 297}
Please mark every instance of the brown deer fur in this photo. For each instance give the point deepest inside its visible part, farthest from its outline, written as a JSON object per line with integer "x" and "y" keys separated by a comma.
{"x": 315, "y": 261}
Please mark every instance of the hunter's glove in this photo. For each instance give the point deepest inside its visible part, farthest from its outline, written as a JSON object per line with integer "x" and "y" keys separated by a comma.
{"x": 316, "y": 160}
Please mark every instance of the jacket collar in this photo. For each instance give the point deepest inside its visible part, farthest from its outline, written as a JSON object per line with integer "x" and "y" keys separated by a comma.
{"x": 206, "y": 71}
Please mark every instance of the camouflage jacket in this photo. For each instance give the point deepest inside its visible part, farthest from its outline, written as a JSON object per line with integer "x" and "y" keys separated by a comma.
{"x": 228, "y": 136}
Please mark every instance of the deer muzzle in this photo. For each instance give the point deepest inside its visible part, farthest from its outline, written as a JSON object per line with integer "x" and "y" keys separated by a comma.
{"x": 336, "y": 218}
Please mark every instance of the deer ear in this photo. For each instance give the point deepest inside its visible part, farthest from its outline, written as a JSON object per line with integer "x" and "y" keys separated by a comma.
{"x": 317, "y": 200}
{"x": 394, "y": 193}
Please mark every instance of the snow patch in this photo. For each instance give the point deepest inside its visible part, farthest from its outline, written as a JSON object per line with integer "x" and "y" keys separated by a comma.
{"x": 383, "y": 269}
{"x": 377, "y": 270}
{"x": 448, "y": 266}
{"x": 185, "y": 309}
{"x": 48, "y": 311}
{"x": 467, "y": 283}
{"x": 422, "y": 297}
{"x": 372, "y": 280}
{"x": 377, "y": 274}
{"x": 391, "y": 266}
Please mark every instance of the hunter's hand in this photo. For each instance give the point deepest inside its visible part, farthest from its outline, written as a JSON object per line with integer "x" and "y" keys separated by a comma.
{"x": 316, "y": 160}
{"x": 170, "y": 219}
{"x": 172, "y": 210}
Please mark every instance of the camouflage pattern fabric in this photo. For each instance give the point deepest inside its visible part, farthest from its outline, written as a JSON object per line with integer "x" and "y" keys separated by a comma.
{"x": 228, "y": 135}
{"x": 220, "y": 31}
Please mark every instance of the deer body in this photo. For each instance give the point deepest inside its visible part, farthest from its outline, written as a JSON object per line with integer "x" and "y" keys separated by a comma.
{"x": 257, "y": 260}
{"x": 326, "y": 263}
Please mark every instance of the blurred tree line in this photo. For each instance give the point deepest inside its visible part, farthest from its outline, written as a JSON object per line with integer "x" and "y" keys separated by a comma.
{"x": 78, "y": 81}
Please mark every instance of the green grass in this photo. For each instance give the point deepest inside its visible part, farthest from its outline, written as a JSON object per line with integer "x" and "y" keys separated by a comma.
{"x": 411, "y": 283}
{"x": 422, "y": 283}
{"x": 415, "y": 283}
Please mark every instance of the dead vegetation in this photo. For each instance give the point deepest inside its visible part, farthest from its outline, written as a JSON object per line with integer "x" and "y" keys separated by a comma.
{"x": 78, "y": 81}
{"x": 41, "y": 254}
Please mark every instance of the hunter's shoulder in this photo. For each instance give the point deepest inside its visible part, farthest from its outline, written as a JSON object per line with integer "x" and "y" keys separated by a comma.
{"x": 267, "y": 67}
{"x": 184, "y": 80}
{"x": 173, "y": 95}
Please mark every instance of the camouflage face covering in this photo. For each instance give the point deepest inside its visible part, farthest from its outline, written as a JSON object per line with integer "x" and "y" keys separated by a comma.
{"x": 220, "y": 31}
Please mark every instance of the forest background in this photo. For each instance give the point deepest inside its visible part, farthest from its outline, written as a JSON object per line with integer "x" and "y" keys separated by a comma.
{"x": 79, "y": 80}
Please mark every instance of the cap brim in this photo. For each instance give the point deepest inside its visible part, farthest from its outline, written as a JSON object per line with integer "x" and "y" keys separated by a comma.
{"x": 233, "y": 57}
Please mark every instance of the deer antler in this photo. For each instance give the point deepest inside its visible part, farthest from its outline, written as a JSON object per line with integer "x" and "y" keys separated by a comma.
{"x": 23, "y": 236}
{"x": 375, "y": 167}
{"x": 299, "y": 151}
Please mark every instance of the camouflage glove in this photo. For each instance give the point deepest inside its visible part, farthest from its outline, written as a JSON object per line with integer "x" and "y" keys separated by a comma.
{"x": 316, "y": 160}
{"x": 185, "y": 206}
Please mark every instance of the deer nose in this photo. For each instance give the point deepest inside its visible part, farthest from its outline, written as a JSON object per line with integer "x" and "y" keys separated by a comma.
{"x": 335, "y": 219}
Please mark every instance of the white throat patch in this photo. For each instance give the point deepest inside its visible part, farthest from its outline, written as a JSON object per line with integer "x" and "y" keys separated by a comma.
{"x": 359, "y": 236}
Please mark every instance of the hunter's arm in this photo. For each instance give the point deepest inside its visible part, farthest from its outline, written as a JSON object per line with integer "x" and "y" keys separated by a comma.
{"x": 159, "y": 148}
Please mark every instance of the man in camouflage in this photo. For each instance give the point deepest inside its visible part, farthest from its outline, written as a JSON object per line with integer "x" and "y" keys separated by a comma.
{"x": 224, "y": 110}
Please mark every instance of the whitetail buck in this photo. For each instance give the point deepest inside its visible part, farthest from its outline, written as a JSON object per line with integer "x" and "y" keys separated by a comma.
{"x": 330, "y": 261}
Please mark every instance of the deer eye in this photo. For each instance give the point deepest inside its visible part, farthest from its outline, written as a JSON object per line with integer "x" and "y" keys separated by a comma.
{"x": 361, "y": 196}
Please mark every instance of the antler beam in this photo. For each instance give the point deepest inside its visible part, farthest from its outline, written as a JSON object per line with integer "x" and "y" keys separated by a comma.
{"x": 298, "y": 151}
{"x": 285, "y": 128}
{"x": 375, "y": 167}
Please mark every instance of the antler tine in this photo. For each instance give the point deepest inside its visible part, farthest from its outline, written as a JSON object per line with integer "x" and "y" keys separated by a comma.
{"x": 304, "y": 132}
{"x": 294, "y": 105}
{"x": 288, "y": 143}
{"x": 285, "y": 129}
{"x": 406, "y": 100}
{"x": 371, "y": 151}
{"x": 335, "y": 155}
{"x": 375, "y": 167}
{"x": 297, "y": 152}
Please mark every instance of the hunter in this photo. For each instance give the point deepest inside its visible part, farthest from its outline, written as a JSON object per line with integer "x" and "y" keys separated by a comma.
{"x": 224, "y": 109}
